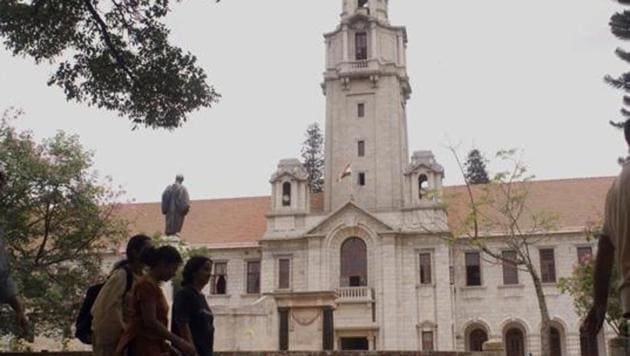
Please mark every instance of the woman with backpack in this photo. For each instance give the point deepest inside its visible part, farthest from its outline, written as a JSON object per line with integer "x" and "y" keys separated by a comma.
{"x": 192, "y": 317}
{"x": 147, "y": 332}
{"x": 110, "y": 312}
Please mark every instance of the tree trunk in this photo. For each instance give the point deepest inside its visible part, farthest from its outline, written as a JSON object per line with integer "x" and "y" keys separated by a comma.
{"x": 545, "y": 329}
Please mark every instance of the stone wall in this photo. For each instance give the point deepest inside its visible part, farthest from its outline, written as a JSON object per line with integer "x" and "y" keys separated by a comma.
{"x": 322, "y": 353}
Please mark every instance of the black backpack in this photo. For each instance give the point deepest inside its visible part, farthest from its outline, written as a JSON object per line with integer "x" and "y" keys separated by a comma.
{"x": 83, "y": 323}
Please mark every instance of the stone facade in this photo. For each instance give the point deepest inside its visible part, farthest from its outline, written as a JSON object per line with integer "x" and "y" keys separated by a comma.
{"x": 396, "y": 210}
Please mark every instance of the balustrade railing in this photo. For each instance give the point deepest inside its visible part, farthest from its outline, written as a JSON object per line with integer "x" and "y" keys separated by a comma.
{"x": 354, "y": 293}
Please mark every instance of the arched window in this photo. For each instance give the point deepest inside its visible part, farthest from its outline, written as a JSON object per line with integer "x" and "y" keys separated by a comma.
{"x": 286, "y": 194}
{"x": 363, "y": 3}
{"x": 422, "y": 186}
{"x": 360, "y": 46}
{"x": 476, "y": 338}
{"x": 556, "y": 342}
{"x": 514, "y": 342}
{"x": 353, "y": 263}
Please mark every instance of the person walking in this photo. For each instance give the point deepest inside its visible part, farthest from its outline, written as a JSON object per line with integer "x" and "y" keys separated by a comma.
{"x": 110, "y": 312}
{"x": 192, "y": 317}
{"x": 147, "y": 332}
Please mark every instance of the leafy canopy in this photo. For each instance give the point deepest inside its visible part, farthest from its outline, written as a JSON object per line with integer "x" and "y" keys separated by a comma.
{"x": 114, "y": 54}
{"x": 57, "y": 219}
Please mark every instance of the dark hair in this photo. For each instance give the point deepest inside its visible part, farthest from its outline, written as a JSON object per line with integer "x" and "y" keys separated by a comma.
{"x": 135, "y": 245}
{"x": 191, "y": 268}
{"x": 168, "y": 255}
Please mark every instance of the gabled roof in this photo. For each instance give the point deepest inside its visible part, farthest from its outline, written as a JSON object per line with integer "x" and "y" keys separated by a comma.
{"x": 344, "y": 208}
{"x": 242, "y": 221}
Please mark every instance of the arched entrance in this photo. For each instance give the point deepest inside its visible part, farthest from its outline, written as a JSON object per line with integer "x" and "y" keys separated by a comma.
{"x": 476, "y": 338}
{"x": 556, "y": 342}
{"x": 514, "y": 342}
{"x": 354, "y": 268}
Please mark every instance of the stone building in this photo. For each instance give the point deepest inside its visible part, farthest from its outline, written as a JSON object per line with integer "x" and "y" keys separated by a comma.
{"x": 365, "y": 264}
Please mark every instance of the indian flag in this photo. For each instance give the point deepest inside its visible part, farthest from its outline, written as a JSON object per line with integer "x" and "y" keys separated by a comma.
{"x": 346, "y": 172}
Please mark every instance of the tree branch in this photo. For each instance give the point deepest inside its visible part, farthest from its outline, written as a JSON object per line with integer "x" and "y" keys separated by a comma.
{"x": 102, "y": 26}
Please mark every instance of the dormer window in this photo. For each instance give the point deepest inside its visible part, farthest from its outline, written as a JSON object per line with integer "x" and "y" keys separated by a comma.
{"x": 422, "y": 186}
{"x": 360, "y": 42}
{"x": 286, "y": 194}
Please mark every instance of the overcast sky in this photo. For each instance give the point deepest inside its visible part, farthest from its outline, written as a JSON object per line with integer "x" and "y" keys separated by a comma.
{"x": 490, "y": 73}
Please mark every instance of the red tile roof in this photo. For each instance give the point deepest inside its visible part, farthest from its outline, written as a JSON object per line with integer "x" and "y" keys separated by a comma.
{"x": 235, "y": 221}
{"x": 242, "y": 221}
{"x": 576, "y": 203}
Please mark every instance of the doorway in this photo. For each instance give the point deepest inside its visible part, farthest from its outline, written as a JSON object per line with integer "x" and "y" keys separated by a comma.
{"x": 514, "y": 342}
{"x": 354, "y": 343}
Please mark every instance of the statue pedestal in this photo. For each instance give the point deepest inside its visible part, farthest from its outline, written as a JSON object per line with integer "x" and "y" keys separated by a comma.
{"x": 173, "y": 240}
{"x": 493, "y": 347}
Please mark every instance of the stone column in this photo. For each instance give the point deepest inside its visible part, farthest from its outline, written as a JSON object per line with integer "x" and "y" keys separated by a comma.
{"x": 344, "y": 36}
{"x": 328, "y": 329}
{"x": 401, "y": 50}
{"x": 389, "y": 324}
{"x": 283, "y": 342}
{"x": 374, "y": 49}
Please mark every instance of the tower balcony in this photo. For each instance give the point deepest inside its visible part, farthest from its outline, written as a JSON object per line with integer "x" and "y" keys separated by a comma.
{"x": 372, "y": 69}
{"x": 358, "y": 68}
{"x": 355, "y": 295}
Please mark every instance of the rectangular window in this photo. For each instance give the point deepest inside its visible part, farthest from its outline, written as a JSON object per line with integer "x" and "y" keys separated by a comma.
{"x": 584, "y": 254}
{"x": 360, "y": 39}
{"x": 427, "y": 341}
{"x": 510, "y": 272}
{"x": 425, "y": 268}
{"x": 284, "y": 273}
{"x": 219, "y": 278}
{"x": 473, "y": 269}
{"x": 361, "y": 148}
{"x": 253, "y": 277}
{"x": 361, "y": 179}
{"x": 361, "y": 110}
{"x": 547, "y": 266}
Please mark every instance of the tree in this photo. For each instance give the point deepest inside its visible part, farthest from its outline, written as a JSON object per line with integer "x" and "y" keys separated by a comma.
{"x": 313, "y": 157}
{"x": 476, "y": 168}
{"x": 114, "y": 54}
{"x": 580, "y": 286}
{"x": 620, "y": 27}
{"x": 57, "y": 219}
{"x": 498, "y": 218}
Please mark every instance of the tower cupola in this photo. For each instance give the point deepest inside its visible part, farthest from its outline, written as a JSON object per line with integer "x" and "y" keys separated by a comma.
{"x": 374, "y": 8}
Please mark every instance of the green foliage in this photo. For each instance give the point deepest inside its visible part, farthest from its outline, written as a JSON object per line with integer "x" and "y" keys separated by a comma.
{"x": 313, "y": 157}
{"x": 620, "y": 27}
{"x": 114, "y": 54}
{"x": 580, "y": 286}
{"x": 475, "y": 165}
{"x": 57, "y": 219}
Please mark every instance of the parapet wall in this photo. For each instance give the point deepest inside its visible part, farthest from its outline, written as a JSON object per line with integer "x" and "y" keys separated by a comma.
{"x": 294, "y": 353}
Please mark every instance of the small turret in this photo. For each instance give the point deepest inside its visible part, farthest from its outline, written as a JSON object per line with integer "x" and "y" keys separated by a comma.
{"x": 375, "y": 8}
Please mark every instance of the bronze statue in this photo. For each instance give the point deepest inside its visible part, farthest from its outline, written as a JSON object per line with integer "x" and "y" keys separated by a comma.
{"x": 175, "y": 206}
